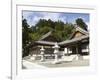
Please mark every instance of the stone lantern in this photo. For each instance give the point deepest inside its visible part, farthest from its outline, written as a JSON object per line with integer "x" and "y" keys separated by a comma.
{"x": 42, "y": 53}
{"x": 56, "y": 52}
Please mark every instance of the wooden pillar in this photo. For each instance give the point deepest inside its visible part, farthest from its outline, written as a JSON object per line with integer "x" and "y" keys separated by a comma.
{"x": 79, "y": 51}
{"x": 88, "y": 49}
{"x": 67, "y": 51}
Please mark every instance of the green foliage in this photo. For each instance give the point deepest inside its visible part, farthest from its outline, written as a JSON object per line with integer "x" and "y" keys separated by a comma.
{"x": 25, "y": 37}
{"x": 44, "y": 30}
{"x": 34, "y": 36}
{"x": 57, "y": 35}
{"x": 59, "y": 25}
{"x": 81, "y": 23}
{"x": 25, "y": 32}
{"x": 60, "y": 30}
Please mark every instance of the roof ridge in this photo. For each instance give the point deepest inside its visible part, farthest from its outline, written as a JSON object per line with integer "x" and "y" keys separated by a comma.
{"x": 45, "y": 35}
{"x": 78, "y": 28}
{"x": 82, "y": 30}
{"x": 72, "y": 40}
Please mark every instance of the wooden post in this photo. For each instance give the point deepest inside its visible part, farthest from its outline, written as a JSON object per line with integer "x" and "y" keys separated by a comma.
{"x": 67, "y": 50}
{"x": 80, "y": 57}
{"x": 88, "y": 49}
{"x": 77, "y": 51}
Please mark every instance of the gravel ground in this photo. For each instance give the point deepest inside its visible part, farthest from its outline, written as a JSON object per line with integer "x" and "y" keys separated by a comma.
{"x": 49, "y": 64}
{"x": 67, "y": 64}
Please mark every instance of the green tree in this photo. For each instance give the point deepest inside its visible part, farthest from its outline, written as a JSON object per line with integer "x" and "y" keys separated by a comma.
{"x": 59, "y": 25}
{"x": 25, "y": 37}
{"x": 41, "y": 23}
{"x": 81, "y": 23}
{"x": 57, "y": 35}
{"x": 51, "y": 24}
{"x": 68, "y": 30}
{"x": 44, "y": 30}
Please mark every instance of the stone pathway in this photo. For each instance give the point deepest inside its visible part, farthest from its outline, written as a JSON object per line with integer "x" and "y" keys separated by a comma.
{"x": 31, "y": 65}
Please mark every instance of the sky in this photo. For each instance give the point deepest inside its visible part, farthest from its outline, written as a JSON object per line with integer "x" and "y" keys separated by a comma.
{"x": 33, "y": 17}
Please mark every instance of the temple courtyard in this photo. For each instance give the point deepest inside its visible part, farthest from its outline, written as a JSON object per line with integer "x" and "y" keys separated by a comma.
{"x": 48, "y": 53}
{"x": 30, "y": 64}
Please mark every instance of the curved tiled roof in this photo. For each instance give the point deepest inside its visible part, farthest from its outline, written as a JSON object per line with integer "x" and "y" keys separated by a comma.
{"x": 71, "y": 40}
{"x": 74, "y": 40}
{"x": 77, "y": 28}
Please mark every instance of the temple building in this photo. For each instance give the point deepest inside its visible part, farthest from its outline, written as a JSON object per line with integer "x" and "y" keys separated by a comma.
{"x": 78, "y": 43}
